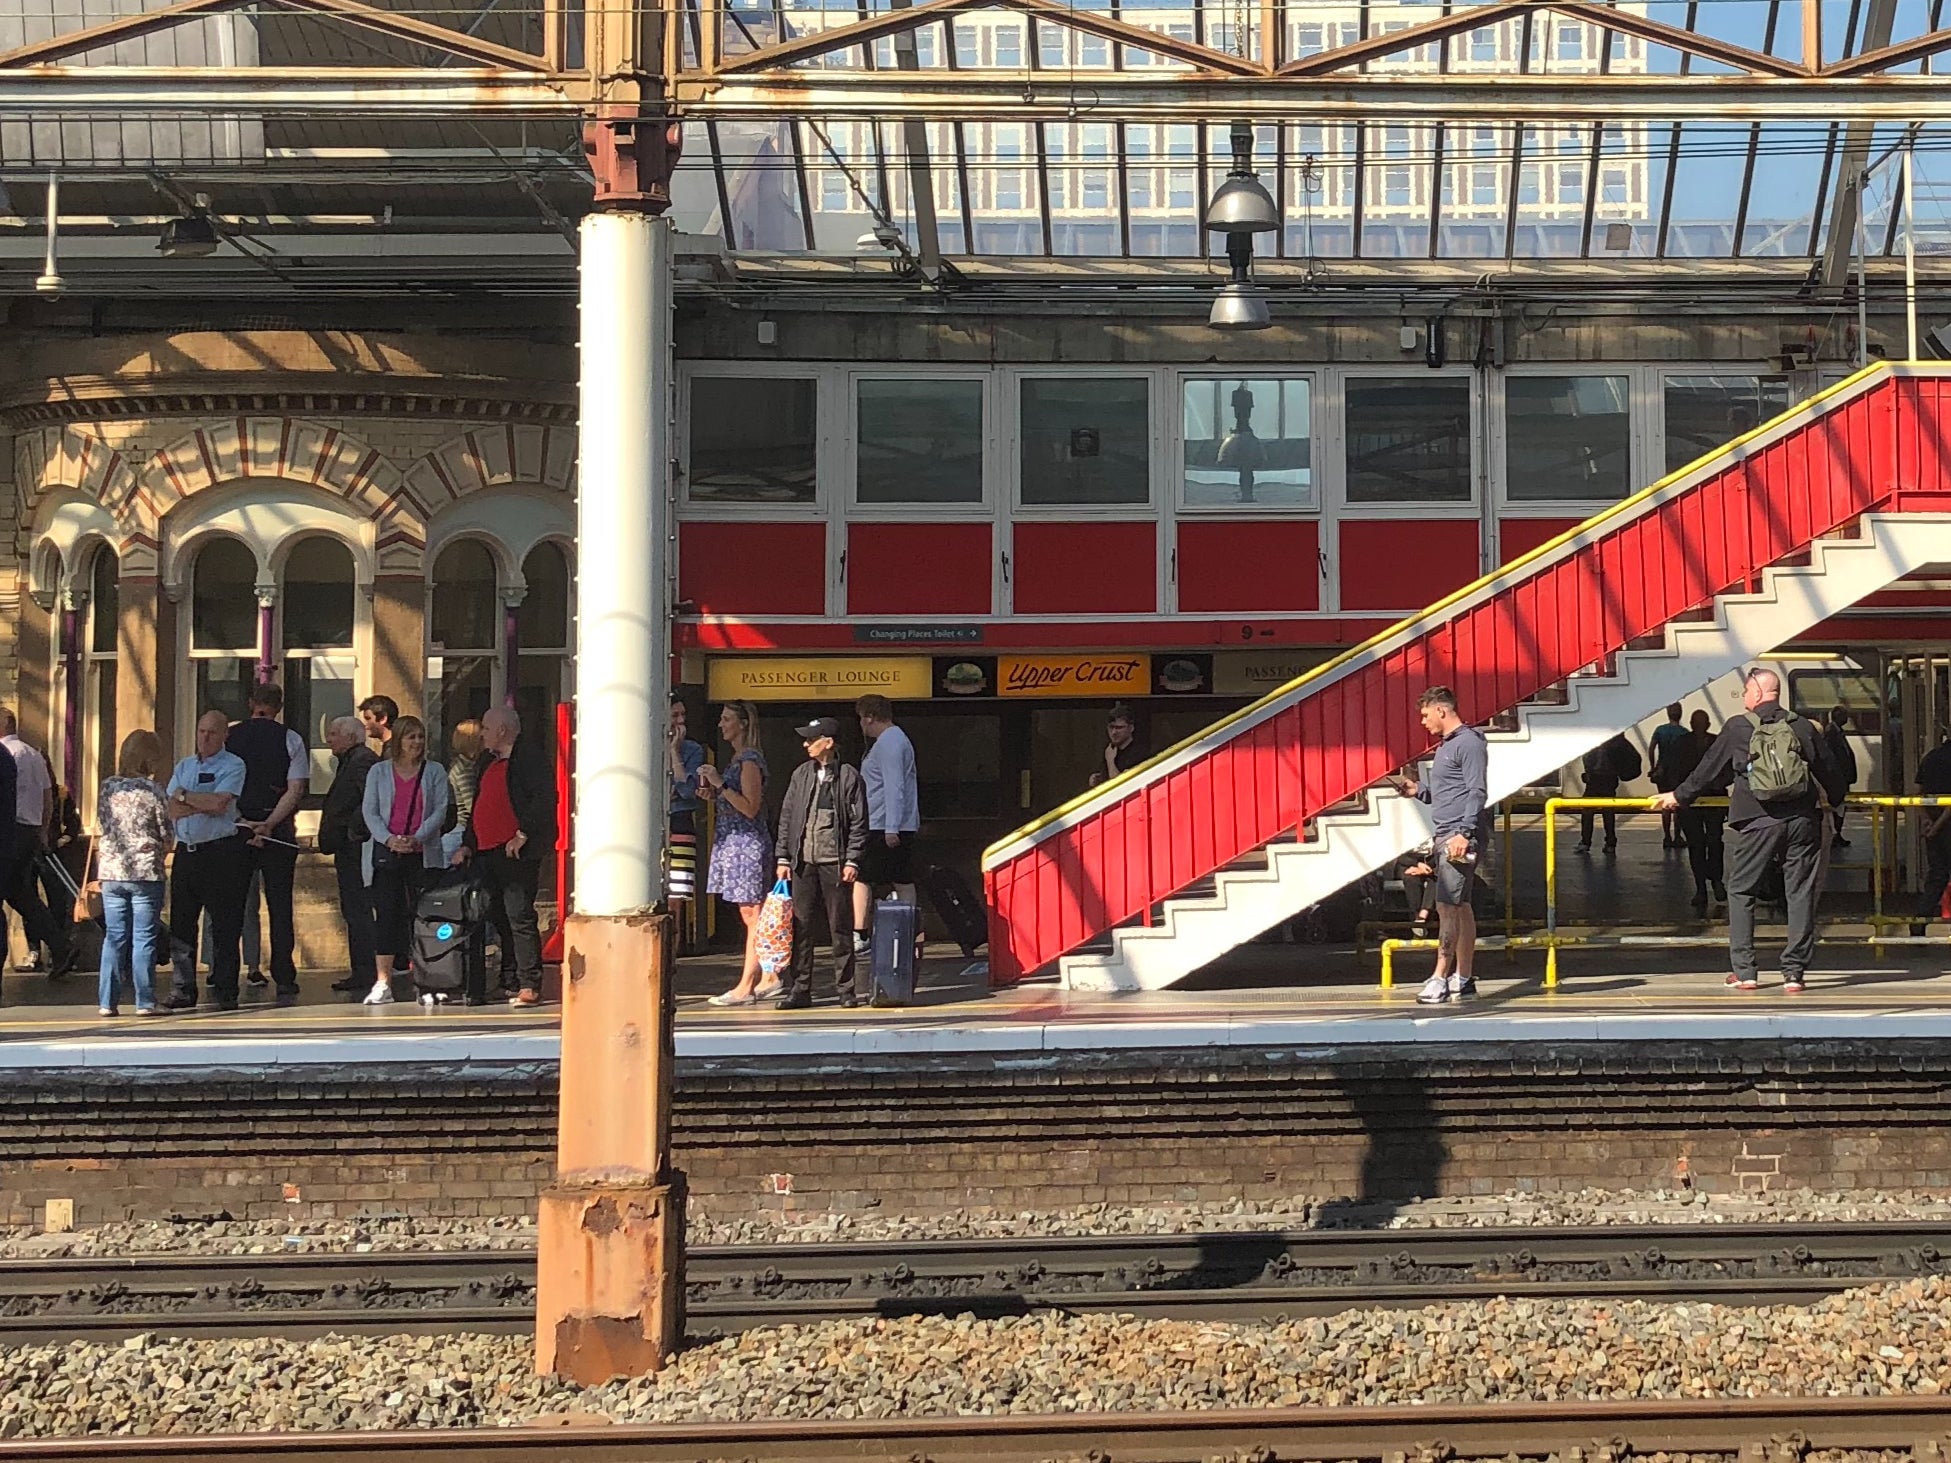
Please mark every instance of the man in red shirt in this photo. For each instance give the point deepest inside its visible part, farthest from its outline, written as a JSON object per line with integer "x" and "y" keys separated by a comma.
{"x": 510, "y": 830}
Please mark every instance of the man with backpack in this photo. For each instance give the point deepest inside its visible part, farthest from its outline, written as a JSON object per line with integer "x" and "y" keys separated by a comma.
{"x": 1782, "y": 767}
{"x": 1606, "y": 766}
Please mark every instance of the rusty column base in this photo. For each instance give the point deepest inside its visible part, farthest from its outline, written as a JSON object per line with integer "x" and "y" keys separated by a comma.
{"x": 609, "y": 1298}
{"x": 612, "y": 1265}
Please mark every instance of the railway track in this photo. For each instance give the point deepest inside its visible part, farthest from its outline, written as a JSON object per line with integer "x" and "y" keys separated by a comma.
{"x": 1240, "y": 1275}
{"x": 1767, "y": 1430}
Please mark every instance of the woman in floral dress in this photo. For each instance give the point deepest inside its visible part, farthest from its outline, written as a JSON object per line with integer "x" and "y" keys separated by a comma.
{"x": 741, "y": 848}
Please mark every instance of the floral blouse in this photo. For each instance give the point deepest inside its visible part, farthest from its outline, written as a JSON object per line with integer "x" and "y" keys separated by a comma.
{"x": 135, "y": 830}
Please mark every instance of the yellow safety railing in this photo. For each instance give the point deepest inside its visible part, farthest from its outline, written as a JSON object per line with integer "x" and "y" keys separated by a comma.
{"x": 1551, "y": 939}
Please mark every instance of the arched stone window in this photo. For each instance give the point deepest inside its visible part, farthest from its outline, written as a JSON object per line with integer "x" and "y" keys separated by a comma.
{"x": 545, "y": 623}
{"x": 223, "y": 627}
{"x": 464, "y": 627}
{"x": 99, "y": 650}
{"x": 316, "y": 613}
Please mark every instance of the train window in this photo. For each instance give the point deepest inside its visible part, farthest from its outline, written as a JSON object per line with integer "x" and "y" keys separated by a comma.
{"x": 1814, "y": 693}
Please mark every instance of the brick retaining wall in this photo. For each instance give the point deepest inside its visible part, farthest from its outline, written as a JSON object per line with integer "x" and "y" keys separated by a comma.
{"x": 1033, "y": 1132}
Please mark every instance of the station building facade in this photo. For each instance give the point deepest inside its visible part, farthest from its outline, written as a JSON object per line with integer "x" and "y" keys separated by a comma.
{"x": 1007, "y": 519}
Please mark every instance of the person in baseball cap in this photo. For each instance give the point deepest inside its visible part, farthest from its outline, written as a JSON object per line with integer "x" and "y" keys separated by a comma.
{"x": 822, "y": 832}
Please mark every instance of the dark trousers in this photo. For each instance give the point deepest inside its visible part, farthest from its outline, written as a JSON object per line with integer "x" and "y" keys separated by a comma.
{"x": 1937, "y": 873}
{"x": 512, "y": 883}
{"x": 24, "y": 894}
{"x": 276, "y": 866}
{"x": 1704, "y": 830}
{"x": 1794, "y": 847}
{"x": 1598, "y": 787}
{"x": 213, "y": 877}
{"x": 395, "y": 891}
{"x": 356, "y": 909}
{"x": 817, "y": 886}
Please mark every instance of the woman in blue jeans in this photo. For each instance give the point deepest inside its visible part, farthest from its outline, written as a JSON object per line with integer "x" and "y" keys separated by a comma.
{"x": 131, "y": 843}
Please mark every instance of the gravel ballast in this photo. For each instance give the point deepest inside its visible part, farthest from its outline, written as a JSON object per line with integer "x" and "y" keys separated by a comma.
{"x": 405, "y": 1234}
{"x": 1882, "y": 1339}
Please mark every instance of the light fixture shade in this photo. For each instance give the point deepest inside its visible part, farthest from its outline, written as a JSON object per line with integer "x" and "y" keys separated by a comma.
{"x": 192, "y": 236}
{"x": 1242, "y": 205}
{"x": 1240, "y": 307}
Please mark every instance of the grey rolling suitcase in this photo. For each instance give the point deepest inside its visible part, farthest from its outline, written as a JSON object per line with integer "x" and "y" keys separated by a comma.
{"x": 894, "y": 952}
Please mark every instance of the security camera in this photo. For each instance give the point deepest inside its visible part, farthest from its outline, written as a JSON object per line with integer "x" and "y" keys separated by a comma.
{"x": 886, "y": 235}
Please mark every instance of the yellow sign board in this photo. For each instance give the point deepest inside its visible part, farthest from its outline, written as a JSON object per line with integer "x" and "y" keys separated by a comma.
{"x": 1109, "y": 673}
{"x": 1256, "y": 672}
{"x": 818, "y": 678}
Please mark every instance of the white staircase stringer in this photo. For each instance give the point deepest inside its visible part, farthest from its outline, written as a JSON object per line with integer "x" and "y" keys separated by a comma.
{"x": 1195, "y": 931}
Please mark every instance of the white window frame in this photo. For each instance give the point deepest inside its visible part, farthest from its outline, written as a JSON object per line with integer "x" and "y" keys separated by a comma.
{"x": 856, "y": 511}
{"x": 1658, "y": 377}
{"x": 1639, "y": 457}
{"x": 1333, "y": 448}
{"x": 1010, "y": 382}
{"x": 1175, "y": 446}
{"x": 824, "y": 416}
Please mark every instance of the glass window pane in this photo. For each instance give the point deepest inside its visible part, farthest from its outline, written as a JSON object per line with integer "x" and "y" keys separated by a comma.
{"x": 753, "y": 439}
{"x": 1567, "y": 437}
{"x": 920, "y": 442}
{"x": 223, "y": 683}
{"x": 223, "y": 598}
{"x": 1409, "y": 440}
{"x": 1247, "y": 442}
{"x": 104, "y": 601}
{"x": 1086, "y": 440}
{"x": 317, "y": 595}
{"x": 465, "y": 612}
{"x": 543, "y": 620}
{"x": 1704, "y": 413}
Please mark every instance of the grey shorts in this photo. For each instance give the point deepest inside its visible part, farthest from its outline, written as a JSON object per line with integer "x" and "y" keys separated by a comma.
{"x": 1454, "y": 881}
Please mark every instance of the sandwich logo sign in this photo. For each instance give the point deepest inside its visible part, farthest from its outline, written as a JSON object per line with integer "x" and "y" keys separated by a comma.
{"x": 1108, "y": 676}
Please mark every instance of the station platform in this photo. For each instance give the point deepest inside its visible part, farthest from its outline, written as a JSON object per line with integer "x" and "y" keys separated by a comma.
{"x": 1312, "y": 999}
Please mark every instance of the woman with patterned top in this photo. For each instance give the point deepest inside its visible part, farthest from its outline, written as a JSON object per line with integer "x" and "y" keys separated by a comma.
{"x": 133, "y": 840}
{"x": 741, "y": 849}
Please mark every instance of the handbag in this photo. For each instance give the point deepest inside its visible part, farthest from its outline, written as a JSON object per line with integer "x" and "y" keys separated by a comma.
{"x": 88, "y": 897}
{"x": 772, "y": 936}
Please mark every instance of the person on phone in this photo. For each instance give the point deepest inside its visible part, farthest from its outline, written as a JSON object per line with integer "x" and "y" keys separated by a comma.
{"x": 1122, "y": 751}
{"x": 682, "y": 760}
{"x": 1457, "y": 792}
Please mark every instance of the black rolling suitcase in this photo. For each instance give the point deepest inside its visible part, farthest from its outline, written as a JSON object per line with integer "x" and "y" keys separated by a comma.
{"x": 895, "y": 924}
{"x": 450, "y": 937}
{"x": 961, "y": 911}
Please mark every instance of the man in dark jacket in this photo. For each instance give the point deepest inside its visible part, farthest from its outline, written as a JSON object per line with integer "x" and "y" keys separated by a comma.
{"x": 277, "y": 772}
{"x": 510, "y": 830}
{"x": 1784, "y": 832}
{"x": 822, "y": 833}
{"x": 341, "y": 833}
{"x": 1835, "y": 732}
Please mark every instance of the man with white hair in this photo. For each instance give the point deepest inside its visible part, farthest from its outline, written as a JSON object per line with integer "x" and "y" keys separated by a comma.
{"x": 341, "y": 832}
{"x": 510, "y": 831}
{"x": 1780, "y": 765}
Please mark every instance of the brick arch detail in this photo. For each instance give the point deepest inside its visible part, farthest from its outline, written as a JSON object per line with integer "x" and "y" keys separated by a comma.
{"x": 52, "y": 458}
{"x": 492, "y": 457}
{"x": 290, "y": 449}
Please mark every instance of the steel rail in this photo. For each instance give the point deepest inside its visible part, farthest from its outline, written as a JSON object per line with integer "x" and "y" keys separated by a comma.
{"x": 1730, "y": 1428}
{"x": 1231, "y": 1275}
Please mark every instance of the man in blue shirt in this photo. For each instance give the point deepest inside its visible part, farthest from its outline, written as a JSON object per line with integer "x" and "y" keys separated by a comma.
{"x": 1458, "y": 796}
{"x": 212, "y": 868}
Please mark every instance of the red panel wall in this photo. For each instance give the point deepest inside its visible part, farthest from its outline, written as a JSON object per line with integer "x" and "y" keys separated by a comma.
{"x": 1240, "y": 566}
{"x": 1517, "y": 536}
{"x": 753, "y": 568}
{"x": 1403, "y": 564}
{"x": 1085, "y": 568}
{"x": 919, "y": 568}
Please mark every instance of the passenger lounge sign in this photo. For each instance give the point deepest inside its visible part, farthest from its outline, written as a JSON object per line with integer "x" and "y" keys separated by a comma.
{"x": 1108, "y": 675}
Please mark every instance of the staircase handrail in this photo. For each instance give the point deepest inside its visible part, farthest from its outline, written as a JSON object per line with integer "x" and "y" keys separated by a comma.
{"x": 1116, "y": 789}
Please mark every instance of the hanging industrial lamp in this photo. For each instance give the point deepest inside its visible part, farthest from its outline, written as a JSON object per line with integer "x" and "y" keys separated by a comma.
{"x": 1240, "y": 208}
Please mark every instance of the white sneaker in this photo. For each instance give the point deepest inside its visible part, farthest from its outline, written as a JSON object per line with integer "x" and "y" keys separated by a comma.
{"x": 380, "y": 995}
{"x": 863, "y": 945}
{"x": 1435, "y": 991}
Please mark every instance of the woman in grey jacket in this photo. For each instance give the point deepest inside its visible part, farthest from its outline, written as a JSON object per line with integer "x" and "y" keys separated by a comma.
{"x": 405, "y": 808}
